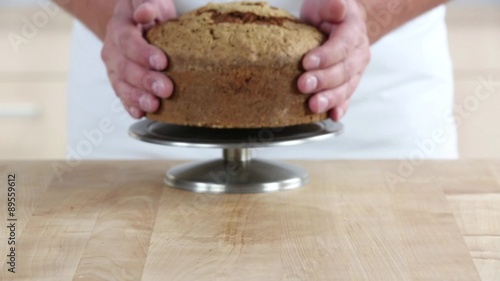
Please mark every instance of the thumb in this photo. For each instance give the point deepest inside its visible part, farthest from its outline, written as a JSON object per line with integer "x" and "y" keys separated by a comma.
{"x": 309, "y": 12}
{"x": 333, "y": 11}
{"x": 149, "y": 11}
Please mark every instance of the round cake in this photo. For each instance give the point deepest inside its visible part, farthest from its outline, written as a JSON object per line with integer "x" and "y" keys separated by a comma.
{"x": 235, "y": 65}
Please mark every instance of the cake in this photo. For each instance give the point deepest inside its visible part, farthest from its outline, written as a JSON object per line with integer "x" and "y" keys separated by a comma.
{"x": 235, "y": 65}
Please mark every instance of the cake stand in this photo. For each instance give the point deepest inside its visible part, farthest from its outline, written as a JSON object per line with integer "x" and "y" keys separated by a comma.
{"x": 236, "y": 171}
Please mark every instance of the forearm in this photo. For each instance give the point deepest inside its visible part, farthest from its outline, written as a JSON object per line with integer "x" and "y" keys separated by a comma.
{"x": 95, "y": 14}
{"x": 384, "y": 16}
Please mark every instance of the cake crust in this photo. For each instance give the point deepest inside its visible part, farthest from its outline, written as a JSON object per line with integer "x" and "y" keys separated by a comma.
{"x": 235, "y": 65}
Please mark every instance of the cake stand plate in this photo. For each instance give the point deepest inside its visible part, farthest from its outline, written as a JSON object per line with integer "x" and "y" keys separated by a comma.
{"x": 236, "y": 172}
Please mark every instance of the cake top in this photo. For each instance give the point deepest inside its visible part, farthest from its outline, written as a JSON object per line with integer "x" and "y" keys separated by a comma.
{"x": 234, "y": 9}
{"x": 238, "y": 33}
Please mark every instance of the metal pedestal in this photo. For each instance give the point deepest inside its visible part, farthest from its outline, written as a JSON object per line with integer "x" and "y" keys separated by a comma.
{"x": 236, "y": 171}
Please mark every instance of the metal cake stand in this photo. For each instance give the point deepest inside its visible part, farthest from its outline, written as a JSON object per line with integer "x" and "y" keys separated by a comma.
{"x": 236, "y": 171}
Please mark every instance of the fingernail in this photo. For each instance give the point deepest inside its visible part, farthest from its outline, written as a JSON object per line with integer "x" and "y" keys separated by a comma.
{"x": 143, "y": 6}
{"x": 322, "y": 104}
{"x": 311, "y": 83}
{"x": 158, "y": 88}
{"x": 145, "y": 103}
{"x": 312, "y": 62}
{"x": 155, "y": 62}
{"x": 134, "y": 112}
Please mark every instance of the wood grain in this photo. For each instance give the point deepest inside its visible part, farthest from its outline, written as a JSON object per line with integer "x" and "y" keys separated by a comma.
{"x": 116, "y": 221}
{"x": 474, "y": 198}
{"x": 32, "y": 180}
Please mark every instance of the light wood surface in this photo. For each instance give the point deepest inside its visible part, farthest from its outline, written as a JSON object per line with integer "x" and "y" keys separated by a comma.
{"x": 117, "y": 221}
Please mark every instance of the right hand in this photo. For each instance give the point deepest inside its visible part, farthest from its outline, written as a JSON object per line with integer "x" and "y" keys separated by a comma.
{"x": 133, "y": 64}
{"x": 334, "y": 70}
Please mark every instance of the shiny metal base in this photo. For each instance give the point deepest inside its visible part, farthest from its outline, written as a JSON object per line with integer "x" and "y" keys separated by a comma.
{"x": 236, "y": 172}
{"x": 220, "y": 176}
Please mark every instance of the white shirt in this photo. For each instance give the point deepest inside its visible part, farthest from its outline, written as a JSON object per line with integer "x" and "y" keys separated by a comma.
{"x": 402, "y": 108}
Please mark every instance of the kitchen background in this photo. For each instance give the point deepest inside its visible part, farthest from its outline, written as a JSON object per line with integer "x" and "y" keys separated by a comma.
{"x": 33, "y": 80}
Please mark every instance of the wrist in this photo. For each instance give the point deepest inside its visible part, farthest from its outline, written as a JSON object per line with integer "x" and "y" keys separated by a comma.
{"x": 363, "y": 11}
{"x": 95, "y": 14}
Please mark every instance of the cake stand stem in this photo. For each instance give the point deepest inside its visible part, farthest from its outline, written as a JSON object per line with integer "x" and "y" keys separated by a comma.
{"x": 243, "y": 155}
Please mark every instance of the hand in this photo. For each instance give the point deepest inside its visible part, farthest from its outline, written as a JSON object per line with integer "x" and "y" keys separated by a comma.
{"x": 333, "y": 70}
{"x": 132, "y": 63}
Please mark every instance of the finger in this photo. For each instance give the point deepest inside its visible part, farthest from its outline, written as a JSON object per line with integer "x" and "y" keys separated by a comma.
{"x": 333, "y": 51}
{"x": 144, "y": 12}
{"x": 129, "y": 40}
{"x": 343, "y": 38}
{"x": 128, "y": 94}
{"x": 128, "y": 37}
{"x": 124, "y": 11}
{"x": 136, "y": 99}
{"x": 338, "y": 112}
{"x": 140, "y": 77}
{"x": 326, "y": 100}
{"x": 327, "y": 27}
{"x": 333, "y": 11}
{"x": 334, "y": 76}
{"x": 148, "y": 11}
{"x": 148, "y": 102}
{"x": 309, "y": 12}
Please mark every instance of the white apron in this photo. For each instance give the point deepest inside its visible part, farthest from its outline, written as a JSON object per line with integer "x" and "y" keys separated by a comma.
{"x": 402, "y": 108}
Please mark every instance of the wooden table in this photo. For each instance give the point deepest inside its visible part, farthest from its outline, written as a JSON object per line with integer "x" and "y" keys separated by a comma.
{"x": 357, "y": 220}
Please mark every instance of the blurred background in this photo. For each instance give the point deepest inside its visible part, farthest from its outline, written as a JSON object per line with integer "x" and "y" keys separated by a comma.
{"x": 33, "y": 80}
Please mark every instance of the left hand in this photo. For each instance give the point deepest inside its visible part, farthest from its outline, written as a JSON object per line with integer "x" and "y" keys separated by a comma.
{"x": 333, "y": 70}
{"x": 133, "y": 64}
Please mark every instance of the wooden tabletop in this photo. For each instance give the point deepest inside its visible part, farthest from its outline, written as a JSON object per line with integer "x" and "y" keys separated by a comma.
{"x": 357, "y": 220}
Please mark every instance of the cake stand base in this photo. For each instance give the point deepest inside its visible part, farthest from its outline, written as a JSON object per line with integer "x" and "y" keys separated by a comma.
{"x": 220, "y": 176}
